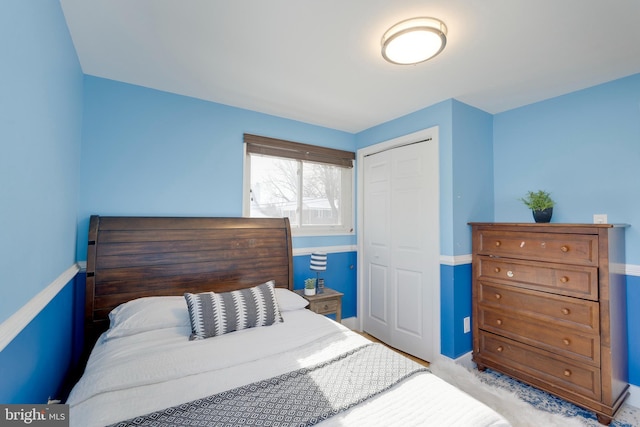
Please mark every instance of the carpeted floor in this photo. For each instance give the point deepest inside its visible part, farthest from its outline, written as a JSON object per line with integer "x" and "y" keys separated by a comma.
{"x": 628, "y": 416}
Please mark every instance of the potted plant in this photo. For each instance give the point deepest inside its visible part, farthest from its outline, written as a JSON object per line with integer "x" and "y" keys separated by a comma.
{"x": 541, "y": 205}
{"x": 310, "y": 286}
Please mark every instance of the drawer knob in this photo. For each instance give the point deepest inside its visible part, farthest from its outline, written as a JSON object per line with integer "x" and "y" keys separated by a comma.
{"x": 499, "y": 349}
{"x": 566, "y": 341}
{"x": 496, "y": 270}
{"x": 499, "y": 322}
{"x": 498, "y": 296}
{"x": 498, "y": 243}
{"x": 567, "y": 373}
{"x": 326, "y": 306}
{"x": 509, "y": 273}
{"x": 566, "y": 311}
{"x": 564, "y": 248}
{"x": 564, "y": 279}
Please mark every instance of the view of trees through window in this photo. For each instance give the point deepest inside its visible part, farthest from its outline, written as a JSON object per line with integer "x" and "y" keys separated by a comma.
{"x": 309, "y": 194}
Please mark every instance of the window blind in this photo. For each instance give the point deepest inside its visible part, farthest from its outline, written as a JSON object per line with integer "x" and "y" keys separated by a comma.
{"x": 295, "y": 150}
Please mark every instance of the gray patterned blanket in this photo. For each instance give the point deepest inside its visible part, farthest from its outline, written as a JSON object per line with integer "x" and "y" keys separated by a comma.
{"x": 303, "y": 397}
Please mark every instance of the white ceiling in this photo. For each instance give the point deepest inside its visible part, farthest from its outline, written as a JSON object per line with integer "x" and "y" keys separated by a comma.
{"x": 319, "y": 62}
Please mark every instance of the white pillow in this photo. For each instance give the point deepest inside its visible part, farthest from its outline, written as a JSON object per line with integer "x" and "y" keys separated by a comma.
{"x": 146, "y": 314}
{"x": 289, "y": 301}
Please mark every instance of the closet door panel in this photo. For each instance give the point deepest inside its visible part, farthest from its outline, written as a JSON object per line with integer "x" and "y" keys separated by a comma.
{"x": 378, "y": 307}
{"x": 409, "y": 292}
{"x": 377, "y": 253}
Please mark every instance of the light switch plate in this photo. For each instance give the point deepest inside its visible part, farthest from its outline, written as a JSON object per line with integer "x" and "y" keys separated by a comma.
{"x": 467, "y": 325}
{"x": 600, "y": 218}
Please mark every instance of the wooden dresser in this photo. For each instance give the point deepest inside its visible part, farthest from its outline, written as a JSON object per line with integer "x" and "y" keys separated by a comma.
{"x": 549, "y": 308}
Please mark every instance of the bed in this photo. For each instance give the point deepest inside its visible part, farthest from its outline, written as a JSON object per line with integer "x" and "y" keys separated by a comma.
{"x": 192, "y": 321}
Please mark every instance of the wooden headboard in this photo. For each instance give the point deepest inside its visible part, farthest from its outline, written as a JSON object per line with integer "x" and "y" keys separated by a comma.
{"x": 133, "y": 257}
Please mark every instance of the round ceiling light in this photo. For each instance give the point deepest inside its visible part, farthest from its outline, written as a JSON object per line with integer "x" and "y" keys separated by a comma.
{"x": 414, "y": 40}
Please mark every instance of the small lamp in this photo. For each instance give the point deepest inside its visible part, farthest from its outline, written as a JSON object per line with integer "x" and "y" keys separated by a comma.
{"x": 318, "y": 264}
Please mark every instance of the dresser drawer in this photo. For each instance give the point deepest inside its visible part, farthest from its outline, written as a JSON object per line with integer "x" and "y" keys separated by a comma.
{"x": 579, "y": 249}
{"x": 562, "y": 279}
{"x": 557, "y": 372}
{"x": 543, "y": 334}
{"x": 574, "y": 313}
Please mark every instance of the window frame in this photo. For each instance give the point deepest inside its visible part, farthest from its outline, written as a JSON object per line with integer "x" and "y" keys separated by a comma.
{"x": 305, "y": 153}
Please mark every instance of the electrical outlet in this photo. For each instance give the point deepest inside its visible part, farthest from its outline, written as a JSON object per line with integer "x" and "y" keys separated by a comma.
{"x": 600, "y": 218}
{"x": 467, "y": 325}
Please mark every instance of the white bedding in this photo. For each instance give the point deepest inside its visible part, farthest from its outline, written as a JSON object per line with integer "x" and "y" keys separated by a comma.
{"x": 152, "y": 370}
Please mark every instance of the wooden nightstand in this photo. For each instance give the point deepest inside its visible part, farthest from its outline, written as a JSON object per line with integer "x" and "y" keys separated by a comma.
{"x": 328, "y": 302}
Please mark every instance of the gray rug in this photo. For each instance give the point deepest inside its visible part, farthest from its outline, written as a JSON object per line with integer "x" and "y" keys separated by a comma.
{"x": 628, "y": 416}
{"x": 523, "y": 405}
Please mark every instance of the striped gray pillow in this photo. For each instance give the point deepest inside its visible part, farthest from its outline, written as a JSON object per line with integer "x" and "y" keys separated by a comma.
{"x": 214, "y": 314}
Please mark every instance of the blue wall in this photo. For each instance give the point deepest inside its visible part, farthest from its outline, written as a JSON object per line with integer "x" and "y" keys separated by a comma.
{"x": 472, "y": 159}
{"x": 40, "y": 130}
{"x": 146, "y": 152}
{"x": 633, "y": 302}
{"x": 40, "y": 124}
{"x": 455, "y": 299}
{"x": 583, "y": 147}
{"x": 35, "y": 366}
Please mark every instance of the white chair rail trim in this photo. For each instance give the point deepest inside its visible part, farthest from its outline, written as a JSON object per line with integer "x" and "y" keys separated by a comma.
{"x": 455, "y": 260}
{"x": 325, "y": 249}
{"x": 11, "y": 327}
{"x": 632, "y": 270}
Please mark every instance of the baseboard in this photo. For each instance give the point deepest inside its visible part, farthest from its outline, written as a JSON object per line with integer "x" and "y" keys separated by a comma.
{"x": 634, "y": 396}
{"x": 351, "y": 323}
{"x": 465, "y": 360}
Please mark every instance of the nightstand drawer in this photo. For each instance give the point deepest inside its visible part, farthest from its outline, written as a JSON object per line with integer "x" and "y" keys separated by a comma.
{"x": 324, "y": 307}
{"x": 327, "y": 302}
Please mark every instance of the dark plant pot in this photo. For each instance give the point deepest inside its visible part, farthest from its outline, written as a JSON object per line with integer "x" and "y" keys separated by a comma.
{"x": 543, "y": 215}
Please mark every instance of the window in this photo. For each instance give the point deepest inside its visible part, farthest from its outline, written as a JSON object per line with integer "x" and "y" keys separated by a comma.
{"x": 312, "y": 186}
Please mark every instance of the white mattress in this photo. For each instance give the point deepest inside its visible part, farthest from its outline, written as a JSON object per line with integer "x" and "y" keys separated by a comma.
{"x": 153, "y": 370}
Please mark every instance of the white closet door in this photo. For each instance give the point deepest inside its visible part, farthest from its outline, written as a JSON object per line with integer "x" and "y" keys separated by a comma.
{"x": 401, "y": 246}
{"x": 377, "y": 244}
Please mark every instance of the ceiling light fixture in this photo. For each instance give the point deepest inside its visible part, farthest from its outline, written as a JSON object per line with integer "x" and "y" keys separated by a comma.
{"x": 414, "y": 40}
